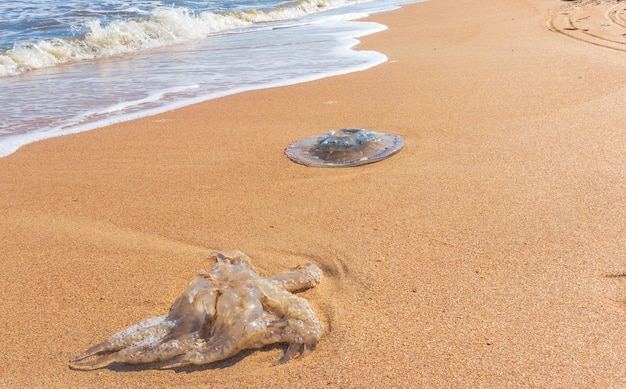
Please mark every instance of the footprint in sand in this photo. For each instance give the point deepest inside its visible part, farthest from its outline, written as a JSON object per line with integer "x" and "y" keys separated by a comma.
{"x": 599, "y": 22}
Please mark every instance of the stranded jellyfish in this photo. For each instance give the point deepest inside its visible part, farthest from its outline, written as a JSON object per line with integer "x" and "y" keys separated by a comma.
{"x": 346, "y": 147}
{"x": 223, "y": 311}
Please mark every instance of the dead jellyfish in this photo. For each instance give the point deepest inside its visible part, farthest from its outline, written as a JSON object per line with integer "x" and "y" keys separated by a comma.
{"x": 343, "y": 148}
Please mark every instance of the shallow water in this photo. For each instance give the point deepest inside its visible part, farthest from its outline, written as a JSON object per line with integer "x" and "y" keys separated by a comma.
{"x": 73, "y": 66}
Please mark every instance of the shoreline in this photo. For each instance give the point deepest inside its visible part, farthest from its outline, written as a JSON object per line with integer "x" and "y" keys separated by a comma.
{"x": 170, "y": 88}
{"x": 488, "y": 252}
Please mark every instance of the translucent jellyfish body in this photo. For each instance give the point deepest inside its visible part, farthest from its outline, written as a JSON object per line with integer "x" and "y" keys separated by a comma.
{"x": 223, "y": 311}
{"x": 343, "y": 148}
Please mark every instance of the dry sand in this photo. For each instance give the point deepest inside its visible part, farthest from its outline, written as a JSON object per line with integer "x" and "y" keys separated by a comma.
{"x": 490, "y": 252}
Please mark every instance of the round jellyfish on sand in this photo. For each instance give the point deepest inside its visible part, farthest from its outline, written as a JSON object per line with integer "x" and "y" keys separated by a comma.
{"x": 343, "y": 148}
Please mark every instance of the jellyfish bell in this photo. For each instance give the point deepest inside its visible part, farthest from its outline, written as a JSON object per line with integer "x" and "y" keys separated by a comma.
{"x": 343, "y": 148}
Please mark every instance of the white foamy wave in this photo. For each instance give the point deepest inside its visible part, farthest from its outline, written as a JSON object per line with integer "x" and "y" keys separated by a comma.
{"x": 163, "y": 27}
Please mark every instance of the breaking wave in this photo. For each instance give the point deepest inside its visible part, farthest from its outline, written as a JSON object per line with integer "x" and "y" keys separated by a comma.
{"x": 163, "y": 27}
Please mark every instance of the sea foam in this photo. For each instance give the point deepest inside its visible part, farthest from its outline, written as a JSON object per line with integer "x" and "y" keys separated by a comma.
{"x": 163, "y": 27}
{"x": 120, "y": 69}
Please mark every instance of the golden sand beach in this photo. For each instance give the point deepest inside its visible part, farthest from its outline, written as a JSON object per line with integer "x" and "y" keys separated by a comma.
{"x": 490, "y": 252}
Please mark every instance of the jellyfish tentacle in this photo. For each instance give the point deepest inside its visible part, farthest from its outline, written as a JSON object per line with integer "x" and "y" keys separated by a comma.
{"x": 155, "y": 327}
{"x": 300, "y": 279}
{"x": 98, "y": 362}
{"x": 301, "y": 326}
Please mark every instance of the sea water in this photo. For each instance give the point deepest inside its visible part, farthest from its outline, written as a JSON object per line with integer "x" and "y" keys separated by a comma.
{"x": 72, "y": 65}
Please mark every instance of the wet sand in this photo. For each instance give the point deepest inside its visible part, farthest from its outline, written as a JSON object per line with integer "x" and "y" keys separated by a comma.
{"x": 490, "y": 252}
